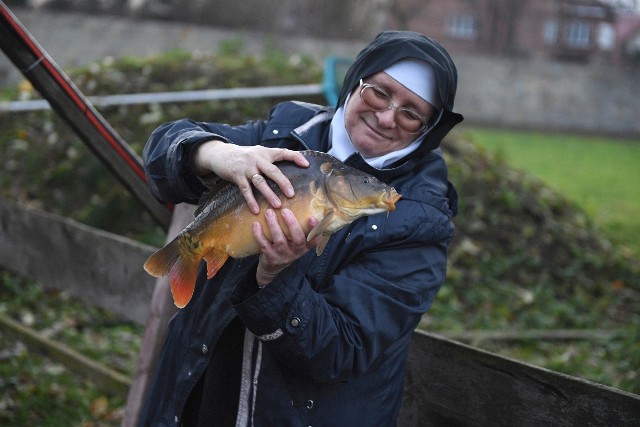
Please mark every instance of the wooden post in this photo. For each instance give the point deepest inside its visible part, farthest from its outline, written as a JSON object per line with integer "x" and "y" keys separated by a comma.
{"x": 451, "y": 384}
{"x": 162, "y": 308}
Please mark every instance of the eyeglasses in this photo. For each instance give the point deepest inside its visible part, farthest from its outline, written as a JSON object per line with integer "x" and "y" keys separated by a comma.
{"x": 378, "y": 100}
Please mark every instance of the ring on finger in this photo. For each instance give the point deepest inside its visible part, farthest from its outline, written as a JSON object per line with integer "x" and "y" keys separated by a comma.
{"x": 254, "y": 176}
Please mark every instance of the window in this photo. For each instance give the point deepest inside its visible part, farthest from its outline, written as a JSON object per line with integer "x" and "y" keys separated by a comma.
{"x": 550, "y": 32}
{"x": 577, "y": 35}
{"x": 462, "y": 26}
{"x": 606, "y": 36}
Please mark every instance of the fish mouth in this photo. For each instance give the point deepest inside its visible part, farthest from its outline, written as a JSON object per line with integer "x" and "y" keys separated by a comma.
{"x": 392, "y": 198}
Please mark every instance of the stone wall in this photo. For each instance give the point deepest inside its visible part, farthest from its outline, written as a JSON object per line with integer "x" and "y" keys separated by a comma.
{"x": 520, "y": 93}
{"x": 537, "y": 94}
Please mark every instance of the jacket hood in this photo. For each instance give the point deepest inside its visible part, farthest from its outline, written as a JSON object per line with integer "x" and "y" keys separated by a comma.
{"x": 392, "y": 46}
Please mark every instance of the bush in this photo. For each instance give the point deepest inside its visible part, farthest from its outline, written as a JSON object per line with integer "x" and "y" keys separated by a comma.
{"x": 50, "y": 168}
{"x": 523, "y": 257}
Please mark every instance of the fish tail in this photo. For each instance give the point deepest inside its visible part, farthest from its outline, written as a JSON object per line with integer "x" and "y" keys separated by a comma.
{"x": 160, "y": 263}
{"x": 181, "y": 267}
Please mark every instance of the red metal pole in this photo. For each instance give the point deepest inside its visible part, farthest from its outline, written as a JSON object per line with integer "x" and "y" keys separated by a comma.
{"x": 72, "y": 106}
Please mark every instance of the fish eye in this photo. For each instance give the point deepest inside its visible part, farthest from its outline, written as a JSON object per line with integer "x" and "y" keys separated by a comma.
{"x": 366, "y": 181}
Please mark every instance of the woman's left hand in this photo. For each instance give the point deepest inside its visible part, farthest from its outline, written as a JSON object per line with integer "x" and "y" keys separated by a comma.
{"x": 283, "y": 248}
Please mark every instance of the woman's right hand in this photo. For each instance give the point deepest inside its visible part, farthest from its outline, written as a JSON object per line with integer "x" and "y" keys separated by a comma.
{"x": 248, "y": 167}
{"x": 282, "y": 248}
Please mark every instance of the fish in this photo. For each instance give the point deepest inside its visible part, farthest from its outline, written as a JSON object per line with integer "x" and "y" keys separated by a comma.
{"x": 332, "y": 192}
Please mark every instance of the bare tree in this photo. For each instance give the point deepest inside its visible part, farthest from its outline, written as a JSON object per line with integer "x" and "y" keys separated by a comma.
{"x": 403, "y": 10}
{"x": 501, "y": 18}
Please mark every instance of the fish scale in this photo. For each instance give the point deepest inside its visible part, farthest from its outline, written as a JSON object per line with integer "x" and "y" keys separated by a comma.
{"x": 328, "y": 190}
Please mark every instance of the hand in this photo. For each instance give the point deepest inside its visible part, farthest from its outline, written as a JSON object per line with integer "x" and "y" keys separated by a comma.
{"x": 247, "y": 166}
{"x": 280, "y": 251}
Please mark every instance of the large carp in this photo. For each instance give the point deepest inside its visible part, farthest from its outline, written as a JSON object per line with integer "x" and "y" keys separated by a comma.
{"x": 328, "y": 190}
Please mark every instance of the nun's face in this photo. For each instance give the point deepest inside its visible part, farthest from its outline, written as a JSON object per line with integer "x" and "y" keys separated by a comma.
{"x": 375, "y": 133}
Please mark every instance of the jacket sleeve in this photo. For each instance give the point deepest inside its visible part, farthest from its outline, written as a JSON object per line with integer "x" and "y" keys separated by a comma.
{"x": 365, "y": 310}
{"x": 167, "y": 153}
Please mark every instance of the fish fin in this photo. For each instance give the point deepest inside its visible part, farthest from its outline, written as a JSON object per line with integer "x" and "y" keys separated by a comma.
{"x": 160, "y": 263}
{"x": 215, "y": 260}
{"x": 183, "y": 280}
{"x": 326, "y": 168}
{"x": 322, "y": 243}
{"x": 321, "y": 227}
{"x": 182, "y": 270}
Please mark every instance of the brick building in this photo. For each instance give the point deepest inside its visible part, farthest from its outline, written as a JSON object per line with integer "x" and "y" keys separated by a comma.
{"x": 583, "y": 31}
{"x": 576, "y": 30}
{"x": 628, "y": 41}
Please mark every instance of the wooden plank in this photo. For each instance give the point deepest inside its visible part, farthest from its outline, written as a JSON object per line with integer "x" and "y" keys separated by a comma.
{"x": 447, "y": 383}
{"x": 476, "y": 337}
{"x": 104, "y": 378}
{"x": 100, "y": 268}
{"x": 453, "y": 384}
{"x": 162, "y": 308}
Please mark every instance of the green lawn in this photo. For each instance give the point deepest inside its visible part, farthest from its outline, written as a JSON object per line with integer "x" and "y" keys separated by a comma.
{"x": 600, "y": 174}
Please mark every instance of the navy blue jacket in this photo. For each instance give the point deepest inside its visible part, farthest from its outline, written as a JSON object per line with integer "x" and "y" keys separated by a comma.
{"x": 326, "y": 342}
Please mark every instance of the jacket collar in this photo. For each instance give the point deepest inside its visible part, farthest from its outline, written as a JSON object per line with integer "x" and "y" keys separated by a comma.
{"x": 314, "y": 135}
{"x": 285, "y": 131}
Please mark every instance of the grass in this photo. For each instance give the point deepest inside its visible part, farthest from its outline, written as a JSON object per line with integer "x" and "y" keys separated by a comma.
{"x": 34, "y": 389}
{"x": 597, "y": 173}
{"x": 600, "y": 174}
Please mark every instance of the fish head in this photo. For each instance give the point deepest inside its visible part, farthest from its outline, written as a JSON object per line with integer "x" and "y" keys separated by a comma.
{"x": 355, "y": 193}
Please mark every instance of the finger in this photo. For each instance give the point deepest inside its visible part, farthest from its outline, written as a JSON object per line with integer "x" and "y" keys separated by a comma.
{"x": 262, "y": 185}
{"x": 277, "y": 234}
{"x": 275, "y": 174}
{"x": 313, "y": 242}
{"x": 247, "y": 192}
{"x": 294, "y": 156}
{"x": 261, "y": 240}
{"x": 313, "y": 221}
{"x": 284, "y": 154}
{"x": 296, "y": 233}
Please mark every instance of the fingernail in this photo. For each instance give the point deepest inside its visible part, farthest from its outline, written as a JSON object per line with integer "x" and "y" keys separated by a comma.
{"x": 290, "y": 192}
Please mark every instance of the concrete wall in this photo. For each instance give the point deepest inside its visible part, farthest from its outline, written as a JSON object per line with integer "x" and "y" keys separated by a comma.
{"x": 523, "y": 93}
{"x": 550, "y": 96}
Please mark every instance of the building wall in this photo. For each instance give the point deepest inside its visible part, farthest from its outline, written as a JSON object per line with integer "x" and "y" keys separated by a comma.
{"x": 528, "y": 93}
{"x": 433, "y": 17}
{"x": 507, "y": 27}
{"x": 513, "y": 92}
{"x": 503, "y": 27}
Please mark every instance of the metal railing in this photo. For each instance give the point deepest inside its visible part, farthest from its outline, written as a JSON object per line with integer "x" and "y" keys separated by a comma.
{"x": 175, "y": 97}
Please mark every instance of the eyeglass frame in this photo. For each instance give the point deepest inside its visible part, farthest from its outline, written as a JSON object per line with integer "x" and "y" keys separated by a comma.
{"x": 425, "y": 122}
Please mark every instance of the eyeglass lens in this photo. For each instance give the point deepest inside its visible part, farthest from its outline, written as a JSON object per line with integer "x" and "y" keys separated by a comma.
{"x": 378, "y": 100}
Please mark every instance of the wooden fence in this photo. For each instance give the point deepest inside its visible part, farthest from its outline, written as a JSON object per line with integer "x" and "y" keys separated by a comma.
{"x": 447, "y": 383}
{"x": 100, "y": 268}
